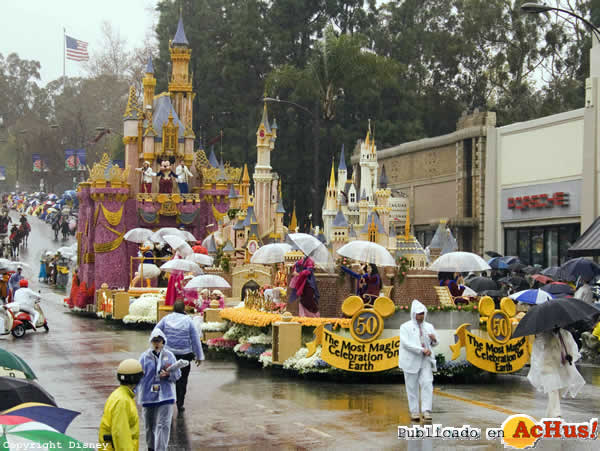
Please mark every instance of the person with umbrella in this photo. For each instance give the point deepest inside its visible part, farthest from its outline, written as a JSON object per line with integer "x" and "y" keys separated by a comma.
{"x": 552, "y": 368}
{"x": 303, "y": 286}
{"x": 584, "y": 291}
{"x": 120, "y": 424}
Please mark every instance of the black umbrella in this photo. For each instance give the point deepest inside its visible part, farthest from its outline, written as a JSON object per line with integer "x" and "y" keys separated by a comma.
{"x": 17, "y": 391}
{"x": 558, "y": 289}
{"x": 531, "y": 270}
{"x": 559, "y": 312}
{"x": 554, "y": 272}
{"x": 517, "y": 266}
{"x": 493, "y": 293}
{"x": 579, "y": 267}
{"x": 480, "y": 284}
{"x": 493, "y": 254}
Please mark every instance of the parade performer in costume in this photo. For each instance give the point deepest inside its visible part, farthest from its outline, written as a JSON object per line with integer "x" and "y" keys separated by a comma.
{"x": 204, "y": 302}
{"x": 371, "y": 283}
{"x": 281, "y": 276}
{"x": 148, "y": 269}
{"x": 147, "y": 174}
{"x": 120, "y": 424}
{"x": 416, "y": 359}
{"x": 552, "y": 370}
{"x": 157, "y": 391}
{"x": 174, "y": 288}
{"x": 166, "y": 177}
{"x": 183, "y": 176}
{"x": 304, "y": 286}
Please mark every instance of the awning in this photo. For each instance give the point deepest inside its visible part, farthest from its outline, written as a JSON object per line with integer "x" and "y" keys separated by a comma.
{"x": 588, "y": 244}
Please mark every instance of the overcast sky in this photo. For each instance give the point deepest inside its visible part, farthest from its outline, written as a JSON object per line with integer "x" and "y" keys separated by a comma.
{"x": 34, "y": 28}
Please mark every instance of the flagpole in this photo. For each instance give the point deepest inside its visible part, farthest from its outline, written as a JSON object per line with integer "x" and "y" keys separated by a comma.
{"x": 64, "y": 56}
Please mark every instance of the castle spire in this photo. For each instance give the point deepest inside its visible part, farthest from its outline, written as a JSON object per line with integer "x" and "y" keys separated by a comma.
{"x": 180, "y": 38}
{"x": 245, "y": 176}
{"x": 332, "y": 176}
{"x": 265, "y": 119}
{"x": 149, "y": 66}
{"x": 294, "y": 221}
{"x": 368, "y": 135}
{"x": 342, "y": 165}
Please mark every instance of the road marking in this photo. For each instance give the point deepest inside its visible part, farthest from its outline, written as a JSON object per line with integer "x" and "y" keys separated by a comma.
{"x": 316, "y": 431}
{"x": 476, "y": 403}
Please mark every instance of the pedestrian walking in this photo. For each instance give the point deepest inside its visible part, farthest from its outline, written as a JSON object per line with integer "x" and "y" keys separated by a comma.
{"x": 416, "y": 359}
{"x": 184, "y": 342}
{"x": 552, "y": 369}
{"x": 120, "y": 425}
{"x": 157, "y": 391}
{"x": 13, "y": 282}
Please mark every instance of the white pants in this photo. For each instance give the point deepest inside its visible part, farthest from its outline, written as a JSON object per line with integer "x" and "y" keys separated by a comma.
{"x": 419, "y": 383}
{"x": 158, "y": 426}
{"x": 553, "y": 408}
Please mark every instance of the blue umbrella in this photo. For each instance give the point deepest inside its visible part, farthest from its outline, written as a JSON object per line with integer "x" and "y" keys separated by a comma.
{"x": 580, "y": 267}
{"x": 531, "y": 296}
{"x": 497, "y": 263}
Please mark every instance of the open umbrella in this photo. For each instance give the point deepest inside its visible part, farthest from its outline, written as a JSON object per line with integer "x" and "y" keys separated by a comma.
{"x": 271, "y": 253}
{"x": 560, "y": 312}
{"x": 200, "y": 259}
{"x": 542, "y": 279}
{"x": 493, "y": 254}
{"x": 516, "y": 282}
{"x": 66, "y": 251}
{"x": 459, "y": 262}
{"x": 180, "y": 264}
{"x": 531, "y": 296}
{"x": 497, "y": 263}
{"x": 480, "y": 284}
{"x": 15, "y": 391}
{"x": 579, "y": 267}
{"x": 160, "y": 235}
{"x": 558, "y": 289}
{"x": 138, "y": 235}
{"x": 313, "y": 248}
{"x": 208, "y": 281}
{"x": 367, "y": 252}
{"x": 554, "y": 272}
{"x": 11, "y": 361}
{"x": 178, "y": 244}
{"x": 496, "y": 294}
{"x": 55, "y": 417}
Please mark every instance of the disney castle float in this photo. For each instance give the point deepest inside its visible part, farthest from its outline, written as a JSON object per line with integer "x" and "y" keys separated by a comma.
{"x": 168, "y": 183}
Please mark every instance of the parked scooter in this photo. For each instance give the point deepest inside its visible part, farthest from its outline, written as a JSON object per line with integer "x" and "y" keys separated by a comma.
{"x": 20, "y": 322}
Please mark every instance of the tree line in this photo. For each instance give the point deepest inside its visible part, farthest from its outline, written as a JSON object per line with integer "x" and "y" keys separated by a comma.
{"x": 411, "y": 66}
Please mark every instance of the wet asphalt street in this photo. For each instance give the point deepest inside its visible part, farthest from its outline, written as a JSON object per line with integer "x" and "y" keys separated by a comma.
{"x": 229, "y": 406}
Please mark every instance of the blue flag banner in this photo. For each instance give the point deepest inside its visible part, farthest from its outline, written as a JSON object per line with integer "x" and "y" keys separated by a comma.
{"x": 37, "y": 162}
{"x": 70, "y": 160}
{"x": 2, "y": 173}
{"x": 81, "y": 159}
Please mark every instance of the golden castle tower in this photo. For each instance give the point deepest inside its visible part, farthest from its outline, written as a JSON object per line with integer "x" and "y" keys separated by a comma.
{"x": 263, "y": 176}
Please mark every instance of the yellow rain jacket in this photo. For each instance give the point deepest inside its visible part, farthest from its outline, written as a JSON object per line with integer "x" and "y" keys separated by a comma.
{"x": 121, "y": 421}
{"x": 596, "y": 331}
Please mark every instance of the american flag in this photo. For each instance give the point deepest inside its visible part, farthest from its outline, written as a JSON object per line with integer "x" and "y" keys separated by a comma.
{"x": 76, "y": 49}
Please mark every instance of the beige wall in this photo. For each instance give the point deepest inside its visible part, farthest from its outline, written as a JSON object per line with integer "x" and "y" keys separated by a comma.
{"x": 422, "y": 165}
{"x": 541, "y": 150}
{"x": 434, "y": 202}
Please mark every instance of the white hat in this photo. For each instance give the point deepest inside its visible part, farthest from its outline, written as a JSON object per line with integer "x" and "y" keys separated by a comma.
{"x": 147, "y": 162}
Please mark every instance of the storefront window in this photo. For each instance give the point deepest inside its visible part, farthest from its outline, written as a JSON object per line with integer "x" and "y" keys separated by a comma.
{"x": 545, "y": 246}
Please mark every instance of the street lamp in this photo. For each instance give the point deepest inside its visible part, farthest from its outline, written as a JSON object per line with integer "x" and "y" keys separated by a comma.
{"x": 316, "y": 135}
{"x": 536, "y": 8}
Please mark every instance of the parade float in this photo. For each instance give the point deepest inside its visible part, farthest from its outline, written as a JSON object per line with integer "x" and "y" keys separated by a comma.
{"x": 235, "y": 216}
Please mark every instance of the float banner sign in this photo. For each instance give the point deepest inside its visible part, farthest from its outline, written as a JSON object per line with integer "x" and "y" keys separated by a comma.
{"x": 351, "y": 355}
{"x": 37, "y": 162}
{"x": 81, "y": 159}
{"x": 2, "y": 173}
{"x": 70, "y": 160}
{"x": 489, "y": 355}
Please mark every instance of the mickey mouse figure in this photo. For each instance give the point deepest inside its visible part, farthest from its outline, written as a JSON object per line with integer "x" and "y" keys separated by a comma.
{"x": 166, "y": 177}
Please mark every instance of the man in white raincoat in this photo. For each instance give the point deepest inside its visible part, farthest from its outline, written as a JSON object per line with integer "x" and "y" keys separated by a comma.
{"x": 552, "y": 370}
{"x": 417, "y": 361}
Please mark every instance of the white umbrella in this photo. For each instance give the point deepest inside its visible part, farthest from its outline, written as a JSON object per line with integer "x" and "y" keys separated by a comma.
{"x": 160, "y": 235}
{"x": 4, "y": 263}
{"x": 13, "y": 266}
{"x": 66, "y": 251}
{"x": 531, "y": 296}
{"x": 313, "y": 248}
{"x": 178, "y": 244}
{"x": 270, "y": 253}
{"x": 470, "y": 292}
{"x": 200, "y": 259}
{"x": 208, "y": 281}
{"x": 367, "y": 252}
{"x": 179, "y": 264}
{"x": 138, "y": 235}
{"x": 459, "y": 262}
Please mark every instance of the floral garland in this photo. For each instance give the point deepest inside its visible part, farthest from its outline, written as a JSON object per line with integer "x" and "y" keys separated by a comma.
{"x": 443, "y": 308}
{"x": 262, "y": 319}
{"x": 221, "y": 343}
{"x": 403, "y": 265}
{"x": 266, "y": 358}
{"x": 262, "y": 339}
{"x": 215, "y": 326}
{"x": 304, "y": 365}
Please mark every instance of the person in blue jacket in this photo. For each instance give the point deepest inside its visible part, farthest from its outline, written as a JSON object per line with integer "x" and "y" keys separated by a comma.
{"x": 157, "y": 391}
{"x": 184, "y": 343}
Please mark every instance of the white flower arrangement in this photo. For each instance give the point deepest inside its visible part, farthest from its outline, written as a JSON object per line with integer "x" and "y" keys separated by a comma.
{"x": 241, "y": 331}
{"x": 262, "y": 339}
{"x": 215, "y": 326}
{"x": 303, "y": 364}
{"x": 266, "y": 359}
{"x": 236, "y": 348}
{"x": 144, "y": 309}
